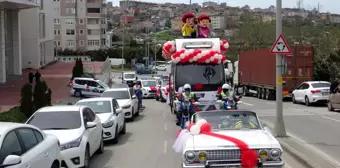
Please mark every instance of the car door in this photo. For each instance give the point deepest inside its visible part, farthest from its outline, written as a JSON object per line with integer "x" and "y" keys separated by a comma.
{"x": 297, "y": 91}
{"x": 133, "y": 100}
{"x": 304, "y": 91}
{"x": 120, "y": 115}
{"x": 12, "y": 146}
{"x": 300, "y": 92}
{"x": 92, "y": 88}
{"x": 89, "y": 131}
{"x": 35, "y": 148}
{"x": 97, "y": 130}
{"x": 336, "y": 99}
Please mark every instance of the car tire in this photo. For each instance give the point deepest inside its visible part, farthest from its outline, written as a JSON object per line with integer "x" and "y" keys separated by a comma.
{"x": 329, "y": 106}
{"x": 293, "y": 99}
{"x": 123, "y": 131}
{"x": 101, "y": 146}
{"x": 78, "y": 94}
{"x": 307, "y": 103}
{"x": 137, "y": 113}
{"x": 259, "y": 93}
{"x": 55, "y": 164}
{"x": 87, "y": 157}
{"x": 116, "y": 138}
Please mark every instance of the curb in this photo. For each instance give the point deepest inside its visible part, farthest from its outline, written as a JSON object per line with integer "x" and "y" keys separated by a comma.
{"x": 296, "y": 154}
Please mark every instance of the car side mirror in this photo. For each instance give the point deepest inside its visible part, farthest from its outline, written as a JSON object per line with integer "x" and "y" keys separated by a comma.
{"x": 11, "y": 160}
{"x": 264, "y": 124}
{"x": 119, "y": 110}
{"x": 90, "y": 125}
{"x": 134, "y": 97}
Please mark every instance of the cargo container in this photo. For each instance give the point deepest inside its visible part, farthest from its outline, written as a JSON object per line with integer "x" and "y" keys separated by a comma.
{"x": 255, "y": 71}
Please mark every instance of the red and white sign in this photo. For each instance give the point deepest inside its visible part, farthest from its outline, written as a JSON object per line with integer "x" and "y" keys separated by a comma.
{"x": 280, "y": 46}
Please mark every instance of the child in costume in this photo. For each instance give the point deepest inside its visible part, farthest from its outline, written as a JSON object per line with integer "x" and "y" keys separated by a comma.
{"x": 203, "y": 26}
{"x": 188, "y": 29}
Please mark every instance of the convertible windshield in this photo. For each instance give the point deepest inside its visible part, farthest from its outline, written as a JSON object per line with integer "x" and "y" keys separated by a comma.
{"x": 226, "y": 120}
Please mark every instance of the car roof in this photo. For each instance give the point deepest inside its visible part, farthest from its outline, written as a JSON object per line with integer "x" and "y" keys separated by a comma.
{"x": 120, "y": 85}
{"x": 116, "y": 89}
{"x": 65, "y": 108}
{"x": 6, "y": 126}
{"x": 311, "y": 82}
{"x": 83, "y": 78}
{"x": 96, "y": 99}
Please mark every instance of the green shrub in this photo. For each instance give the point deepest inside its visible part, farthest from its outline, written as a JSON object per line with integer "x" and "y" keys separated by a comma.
{"x": 39, "y": 96}
{"x": 13, "y": 115}
{"x": 26, "y": 103}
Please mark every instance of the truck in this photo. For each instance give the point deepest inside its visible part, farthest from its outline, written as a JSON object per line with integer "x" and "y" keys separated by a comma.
{"x": 255, "y": 71}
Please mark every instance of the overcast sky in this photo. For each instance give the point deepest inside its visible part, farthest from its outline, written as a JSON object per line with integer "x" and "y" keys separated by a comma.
{"x": 332, "y": 6}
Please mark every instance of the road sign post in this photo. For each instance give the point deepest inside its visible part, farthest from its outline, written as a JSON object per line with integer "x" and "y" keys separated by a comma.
{"x": 279, "y": 48}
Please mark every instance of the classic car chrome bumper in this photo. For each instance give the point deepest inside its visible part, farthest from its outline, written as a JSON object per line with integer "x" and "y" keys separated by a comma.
{"x": 217, "y": 164}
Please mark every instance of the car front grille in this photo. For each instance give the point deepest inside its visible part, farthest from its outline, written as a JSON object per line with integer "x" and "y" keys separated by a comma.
{"x": 152, "y": 91}
{"x": 230, "y": 154}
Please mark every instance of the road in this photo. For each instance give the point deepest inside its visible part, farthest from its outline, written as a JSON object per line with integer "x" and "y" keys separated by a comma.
{"x": 315, "y": 126}
{"x": 148, "y": 142}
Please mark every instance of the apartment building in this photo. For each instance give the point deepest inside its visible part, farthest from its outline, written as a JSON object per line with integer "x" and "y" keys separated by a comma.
{"x": 10, "y": 36}
{"x": 218, "y": 22}
{"x": 37, "y": 35}
{"x": 80, "y": 24}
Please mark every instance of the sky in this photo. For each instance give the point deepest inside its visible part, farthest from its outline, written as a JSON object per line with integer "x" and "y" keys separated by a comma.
{"x": 332, "y": 6}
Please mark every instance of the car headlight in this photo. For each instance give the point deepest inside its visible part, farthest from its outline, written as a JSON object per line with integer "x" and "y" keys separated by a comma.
{"x": 108, "y": 124}
{"x": 72, "y": 144}
{"x": 202, "y": 156}
{"x": 190, "y": 156}
{"x": 126, "y": 106}
{"x": 263, "y": 154}
{"x": 143, "y": 90}
{"x": 275, "y": 153}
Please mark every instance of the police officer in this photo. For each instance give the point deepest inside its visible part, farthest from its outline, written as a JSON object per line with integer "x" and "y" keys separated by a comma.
{"x": 187, "y": 94}
{"x": 225, "y": 92}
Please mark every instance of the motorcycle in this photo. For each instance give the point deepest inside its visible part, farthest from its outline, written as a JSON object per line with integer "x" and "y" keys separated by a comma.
{"x": 230, "y": 103}
{"x": 187, "y": 109}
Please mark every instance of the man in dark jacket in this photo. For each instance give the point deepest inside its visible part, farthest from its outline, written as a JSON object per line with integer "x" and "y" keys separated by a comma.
{"x": 334, "y": 85}
{"x": 37, "y": 76}
{"x": 30, "y": 77}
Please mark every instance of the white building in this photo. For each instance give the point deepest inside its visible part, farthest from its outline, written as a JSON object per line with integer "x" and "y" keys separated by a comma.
{"x": 37, "y": 35}
{"x": 218, "y": 22}
{"x": 10, "y": 36}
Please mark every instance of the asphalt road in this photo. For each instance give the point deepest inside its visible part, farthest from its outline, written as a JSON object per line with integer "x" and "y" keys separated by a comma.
{"x": 315, "y": 126}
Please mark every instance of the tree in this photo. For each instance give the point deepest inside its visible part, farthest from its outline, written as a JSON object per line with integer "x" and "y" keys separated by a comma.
{"x": 168, "y": 23}
{"x": 133, "y": 43}
{"x": 77, "y": 70}
{"x": 39, "y": 96}
{"x": 26, "y": 104}
{"x": 81, "y": 67}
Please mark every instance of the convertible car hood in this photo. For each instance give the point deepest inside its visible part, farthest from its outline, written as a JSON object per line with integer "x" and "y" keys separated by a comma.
{"x": 254, "y": 139}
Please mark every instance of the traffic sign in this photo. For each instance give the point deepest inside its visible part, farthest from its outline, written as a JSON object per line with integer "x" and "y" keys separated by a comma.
{"x": 280, "y": 46}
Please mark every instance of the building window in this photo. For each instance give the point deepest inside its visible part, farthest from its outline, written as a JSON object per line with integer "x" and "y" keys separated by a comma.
{"x": 81, "y": 21}
{"x": 56, "y": 32}
{"x": 81, "y": 42}
{"x": 56, "y": 21}
{"x": 70, "y": 32}
{"x": 89, "y": 32}
{"x": 71, "y": 43}
{"x": 103, "y": 41}
{"x": 93, "y": 43}
{"x": 57, "y": 43}
{"x": 103, "y": 21}
{"x": 81, "y": 32}
{"x": 70, "y": 21}
{"x": 57, "y": 10}
{"x": 93, "y": 10}
{"x": 42, "y": 24}
{"x": 70, "y": 10}
{"x": 103, "y": 31}
{"x": 70, "y": 1}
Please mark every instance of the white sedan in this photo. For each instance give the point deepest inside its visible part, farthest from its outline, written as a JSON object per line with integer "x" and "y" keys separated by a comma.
{"x": 201, "y": 149}
{"x": 25, "y": 146}
{"x": 78, "y": 129}
{"x": 311, "y": 92}
{"x": 110, "y": 114}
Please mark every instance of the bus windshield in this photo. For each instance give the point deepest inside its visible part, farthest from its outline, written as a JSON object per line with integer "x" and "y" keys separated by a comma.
{"x": 211, "y": 76}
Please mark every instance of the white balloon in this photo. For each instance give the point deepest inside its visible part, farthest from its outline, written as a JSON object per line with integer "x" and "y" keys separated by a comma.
{"x": 173, "y": 48}
{"x": 195, "y": 129}
{"x": 201, "y": 122}
{"x": 225, "y": 61}
{"x": 221, "y": 43}
{"x": 178, "y": 59}
{"x": 220, "y": 56}
{"x": 199, "y": 55}
{"x": 182, "y": 56}
{"x": 195, "y": 58}
{"x": 191, "y": 60}
{"x": 207, "y": 61}
{"x": 211, "y": 59}
{"x": 226, "y": 45}
{"x": 219, "y": 61}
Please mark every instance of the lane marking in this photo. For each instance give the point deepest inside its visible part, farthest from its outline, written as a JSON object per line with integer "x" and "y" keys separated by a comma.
{"x": 165, "y": 127}
{"x": 331, "y": 119}
{"x": 272, "y": 103}
{"x": 165, "y": 146}
{"x": 248, "y": 104}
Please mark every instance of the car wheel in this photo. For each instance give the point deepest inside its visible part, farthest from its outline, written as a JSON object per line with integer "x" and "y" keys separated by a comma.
{"x": 77, "y": 93}
{"x": 87, "y": 158}
{"x": 307, "y": 103}
{"x": 101, "y": 147}
{"x": 132, "y": 115}
{"x": 259, "y": 93}
{"x": 116, "y": 138}
{"x": 137, "y": 113}
{"x": 245, "y": 91}
{"x": 55, "y": 165}
{"x": 330, "y": 107}
{"x": 123, "y": 131}
{"x": 293, "y": 99}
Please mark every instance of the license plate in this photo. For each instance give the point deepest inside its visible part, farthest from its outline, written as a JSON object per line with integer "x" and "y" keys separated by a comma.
{"x": 325, "y": 93}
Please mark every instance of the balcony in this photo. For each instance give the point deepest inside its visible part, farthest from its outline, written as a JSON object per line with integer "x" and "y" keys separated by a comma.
{"x": 19, "y": 4}
{"x": 93, "y": 26}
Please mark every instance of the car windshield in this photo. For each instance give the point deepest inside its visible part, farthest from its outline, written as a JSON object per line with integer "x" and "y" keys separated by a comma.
{"x": 225, "y": 120}
{"x": 56, "y": 120}
{"x": 103, "y": 84}
{"x": 98, "y": 106}
{"x": 321, "y": 85}
{"x": 129, "y": 75}
{"x": 210, "y": 76}
{"x": 124, "y": 94}
{"x": 149, "y": 83}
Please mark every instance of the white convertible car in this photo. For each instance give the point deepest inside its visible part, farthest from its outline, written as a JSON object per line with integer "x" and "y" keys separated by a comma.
{"x": 203, "y": 151}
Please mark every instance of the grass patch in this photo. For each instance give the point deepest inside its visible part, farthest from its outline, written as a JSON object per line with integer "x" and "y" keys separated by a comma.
{"x": 13, "y": 115}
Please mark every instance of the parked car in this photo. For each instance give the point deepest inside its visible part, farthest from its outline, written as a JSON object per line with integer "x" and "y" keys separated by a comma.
{"x": 148, "y": 87}
{"x": 334, "y": 100}
{"x": 78, "y": 129}
{"x": 129, "y": 78}
{"x": 110, "y": 114}
{"x": 24, "y": 145}
{"x": 120, "y": 85}
{"x": 162, "y": 90}
{"x": 142, "y": 69}
{"x": 87, "y": 87}
{"x": 126, "y": 99}
{"x": 311, "y": 92}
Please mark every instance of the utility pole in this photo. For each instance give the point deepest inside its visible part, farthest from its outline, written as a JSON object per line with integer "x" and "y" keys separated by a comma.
{"x": 190, "y": 6}
{"x": 123, "y": 42}
{"x": 279, "y": 124}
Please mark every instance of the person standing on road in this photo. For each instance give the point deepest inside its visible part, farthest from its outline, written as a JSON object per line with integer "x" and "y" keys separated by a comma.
{"x": 37, "y": 76}
{"x": 30, "y": 77}
{"x": 139, "y": 95}
{"x": 334, "y": 85}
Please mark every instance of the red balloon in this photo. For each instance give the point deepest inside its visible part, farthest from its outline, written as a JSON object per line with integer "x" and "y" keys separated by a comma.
{"x": 168, "y": 47}
{"x": 215, "y": 61}
{"x": 219, "y": 90}
{"x": 248, "y": 159}
{"x": 206, "y": 127}
{"x": 190, "y": 125}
